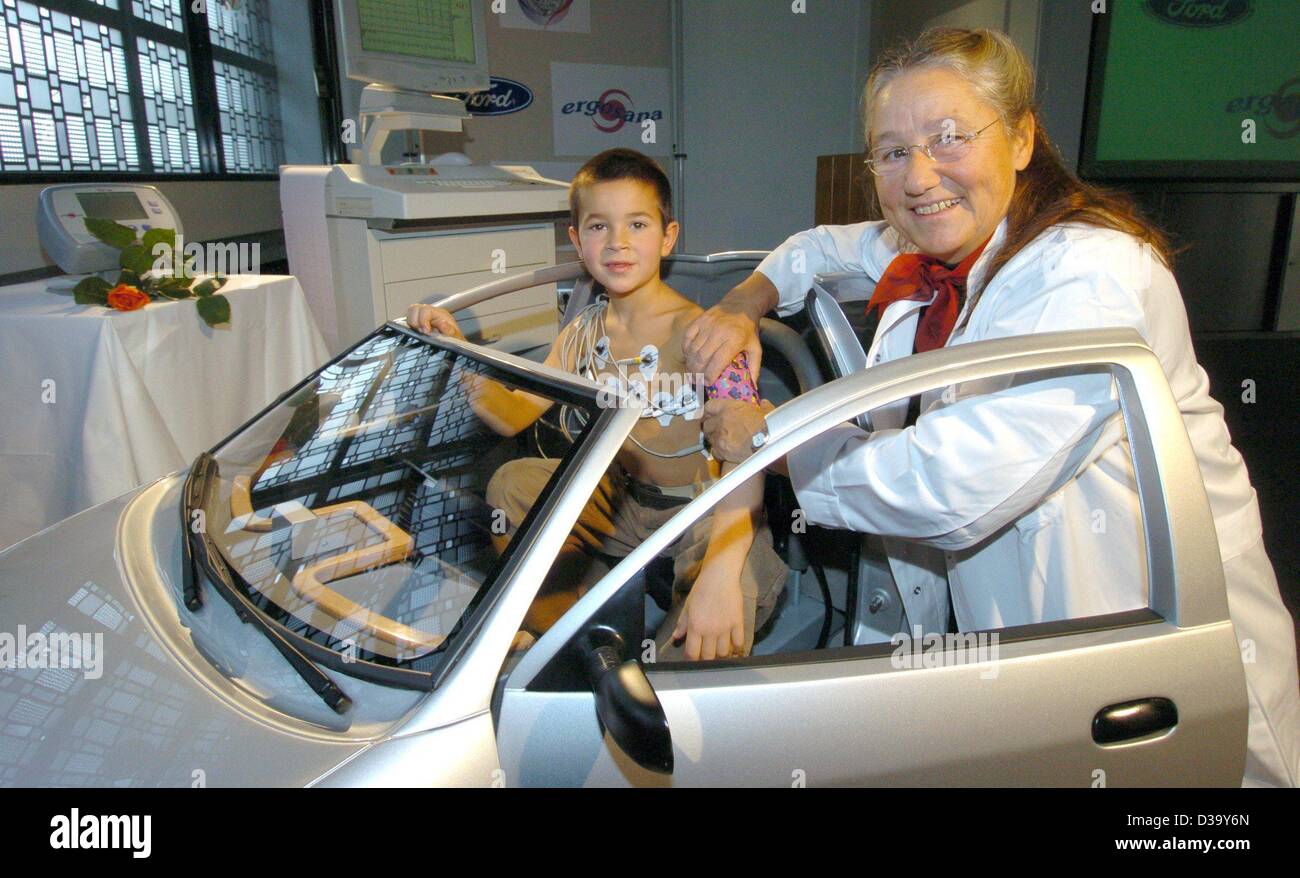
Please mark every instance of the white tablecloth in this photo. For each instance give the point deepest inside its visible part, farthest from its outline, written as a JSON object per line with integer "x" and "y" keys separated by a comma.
{"x": 94, "y": 402}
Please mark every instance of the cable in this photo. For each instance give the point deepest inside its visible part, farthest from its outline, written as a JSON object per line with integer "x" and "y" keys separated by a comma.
{"x": 582, "y": 347}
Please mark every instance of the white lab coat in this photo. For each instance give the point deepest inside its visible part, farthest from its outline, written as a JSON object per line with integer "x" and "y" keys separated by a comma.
{"x": 1023, "y": 492}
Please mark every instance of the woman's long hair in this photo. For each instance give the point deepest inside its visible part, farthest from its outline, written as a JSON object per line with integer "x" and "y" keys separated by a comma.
{"x": 1046, "y": 193}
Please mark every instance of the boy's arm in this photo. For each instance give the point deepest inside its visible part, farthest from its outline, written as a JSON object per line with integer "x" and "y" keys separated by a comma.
{"x": 713, "y": 620}
{"x": 506, "y": 412}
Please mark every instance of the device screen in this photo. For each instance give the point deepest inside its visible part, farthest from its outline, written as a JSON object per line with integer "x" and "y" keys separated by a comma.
{"x": 112, "y": 205}
{"x": 436, "y": 30}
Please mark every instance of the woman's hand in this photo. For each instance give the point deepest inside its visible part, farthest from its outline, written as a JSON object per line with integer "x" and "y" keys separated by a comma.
{"x": 715, "y": 337}
{"x": 713, "y": 619}
{"x": 428, "y": 319}
{"x": 730, "y": 425}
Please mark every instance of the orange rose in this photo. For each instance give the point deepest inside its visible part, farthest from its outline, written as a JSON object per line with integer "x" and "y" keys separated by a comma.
{"x": 125, "y": 297}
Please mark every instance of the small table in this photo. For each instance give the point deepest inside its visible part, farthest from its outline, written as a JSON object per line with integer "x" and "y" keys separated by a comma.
{"x": 95, "y": 402}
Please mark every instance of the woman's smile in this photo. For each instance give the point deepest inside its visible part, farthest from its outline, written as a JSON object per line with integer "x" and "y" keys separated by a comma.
{"x": 935, "y": 208}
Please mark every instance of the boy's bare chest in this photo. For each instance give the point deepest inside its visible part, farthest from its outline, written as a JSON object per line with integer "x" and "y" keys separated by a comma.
{"x": 654, "y": 359}
{"x": 674, "y": 399}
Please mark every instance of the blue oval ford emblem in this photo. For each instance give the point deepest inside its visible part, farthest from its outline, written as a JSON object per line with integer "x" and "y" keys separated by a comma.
{"x": 505, "y": 96}
{"x": 1199, "y": 13}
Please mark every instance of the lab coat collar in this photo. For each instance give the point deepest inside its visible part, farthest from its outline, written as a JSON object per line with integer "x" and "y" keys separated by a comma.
{"x": 975, "y": 280}
{"x": 976, "y": 276}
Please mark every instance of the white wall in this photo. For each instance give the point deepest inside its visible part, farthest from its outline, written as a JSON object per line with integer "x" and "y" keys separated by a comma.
{"x": 765, "y": 91}
{"x": 1054, "y": 34}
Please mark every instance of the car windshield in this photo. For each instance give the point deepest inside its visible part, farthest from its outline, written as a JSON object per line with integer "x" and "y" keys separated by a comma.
{"x": 353, "y": 510}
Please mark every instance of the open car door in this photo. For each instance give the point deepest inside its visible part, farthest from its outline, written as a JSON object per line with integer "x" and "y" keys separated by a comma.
{"x": 1151, "y": 696}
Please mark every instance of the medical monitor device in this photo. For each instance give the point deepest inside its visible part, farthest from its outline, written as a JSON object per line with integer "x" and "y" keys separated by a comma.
{"x": 61, "y": 221}
{"x": 435, "y": 46}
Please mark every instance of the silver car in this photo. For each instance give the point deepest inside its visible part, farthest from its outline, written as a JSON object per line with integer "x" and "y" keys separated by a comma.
{"x": 327, "y": 599}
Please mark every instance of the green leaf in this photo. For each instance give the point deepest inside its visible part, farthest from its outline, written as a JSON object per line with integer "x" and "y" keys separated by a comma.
{"x": 136, "y": 258}
{"x": 91, "y": 290}
{"x": 129, "y": 277}
{"x": 111, "y": 233}
{"x": 214, "y": 309}
{"x": 175, "y": 287}
{"x": 209, "y": 286}
{"x": 160, "y": 244}
{"x": 154, "y": 237}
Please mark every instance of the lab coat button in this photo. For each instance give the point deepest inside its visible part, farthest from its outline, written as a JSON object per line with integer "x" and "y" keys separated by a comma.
{"x": 916, "y": 590}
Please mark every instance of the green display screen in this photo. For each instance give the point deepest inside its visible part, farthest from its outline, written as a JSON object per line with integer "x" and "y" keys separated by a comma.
{"x": 1184, "y": 78}
{"x": 431, "y": 30}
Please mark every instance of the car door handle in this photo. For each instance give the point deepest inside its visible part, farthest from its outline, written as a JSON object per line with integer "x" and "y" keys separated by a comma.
{"x": 1133, "y": 719}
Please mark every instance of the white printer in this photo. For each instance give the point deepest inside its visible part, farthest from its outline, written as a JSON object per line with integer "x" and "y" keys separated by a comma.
{"x": 366, "y": 239}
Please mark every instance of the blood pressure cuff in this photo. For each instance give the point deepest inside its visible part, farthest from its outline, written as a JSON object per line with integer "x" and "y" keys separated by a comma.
{"x": 735, "y": 382}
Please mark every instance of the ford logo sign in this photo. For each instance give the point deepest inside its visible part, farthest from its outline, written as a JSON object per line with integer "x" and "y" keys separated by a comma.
{"x": 505, "y": 96}
{"x": 1199, "y": 13}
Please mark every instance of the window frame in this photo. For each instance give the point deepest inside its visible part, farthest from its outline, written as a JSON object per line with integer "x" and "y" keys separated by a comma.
{"x": 202, "y": 56}
{"x": 1156, "y": 459}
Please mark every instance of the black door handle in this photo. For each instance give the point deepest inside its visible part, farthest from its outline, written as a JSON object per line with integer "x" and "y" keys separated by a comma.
{"x": 1133, "y": 719}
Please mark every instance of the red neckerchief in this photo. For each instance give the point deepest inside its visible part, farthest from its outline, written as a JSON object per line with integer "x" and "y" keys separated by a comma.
{"x": 913, "y": 276}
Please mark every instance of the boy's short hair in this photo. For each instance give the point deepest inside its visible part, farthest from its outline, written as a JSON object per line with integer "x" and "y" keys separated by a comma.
{"x": 622, "y": 164}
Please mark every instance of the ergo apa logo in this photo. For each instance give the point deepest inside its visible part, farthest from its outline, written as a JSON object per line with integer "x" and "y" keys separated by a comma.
{"x": 611, "y": 111}
{"x": 1283, "y": 105}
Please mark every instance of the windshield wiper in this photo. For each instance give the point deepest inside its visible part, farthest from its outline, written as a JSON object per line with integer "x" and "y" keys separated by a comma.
{"x": 202, "y": 553}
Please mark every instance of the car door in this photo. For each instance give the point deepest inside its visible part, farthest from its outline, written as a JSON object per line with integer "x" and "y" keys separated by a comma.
{"x": 1152, "y": 696}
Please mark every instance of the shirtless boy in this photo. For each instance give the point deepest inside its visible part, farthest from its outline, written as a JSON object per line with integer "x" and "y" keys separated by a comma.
{"x": 726, "y": 576}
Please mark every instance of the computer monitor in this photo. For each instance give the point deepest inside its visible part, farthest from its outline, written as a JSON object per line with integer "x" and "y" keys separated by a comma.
{"x": 435, "y": 46}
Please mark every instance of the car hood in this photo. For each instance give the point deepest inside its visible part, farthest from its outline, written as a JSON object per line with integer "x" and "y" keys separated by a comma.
{"x": 141, "y": 691}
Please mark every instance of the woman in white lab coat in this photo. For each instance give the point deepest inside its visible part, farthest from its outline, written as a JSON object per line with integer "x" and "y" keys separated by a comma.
{"x": 1017, "y": 498}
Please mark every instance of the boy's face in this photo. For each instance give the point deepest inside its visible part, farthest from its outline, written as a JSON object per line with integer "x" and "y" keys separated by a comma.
{"x": 620, "y": 234}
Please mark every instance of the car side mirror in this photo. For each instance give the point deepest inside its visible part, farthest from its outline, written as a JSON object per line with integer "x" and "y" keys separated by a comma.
{"x": 626, "y": 703}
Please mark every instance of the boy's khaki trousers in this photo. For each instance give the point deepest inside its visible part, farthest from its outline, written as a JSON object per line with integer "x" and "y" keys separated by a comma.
{"x": 613, "y": 524}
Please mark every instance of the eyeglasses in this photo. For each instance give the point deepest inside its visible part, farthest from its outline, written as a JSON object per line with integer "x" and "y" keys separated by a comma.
{"x": 943, "y": 148}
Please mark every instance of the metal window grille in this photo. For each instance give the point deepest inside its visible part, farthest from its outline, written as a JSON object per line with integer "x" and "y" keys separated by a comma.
{"x": 148, "y": 87}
